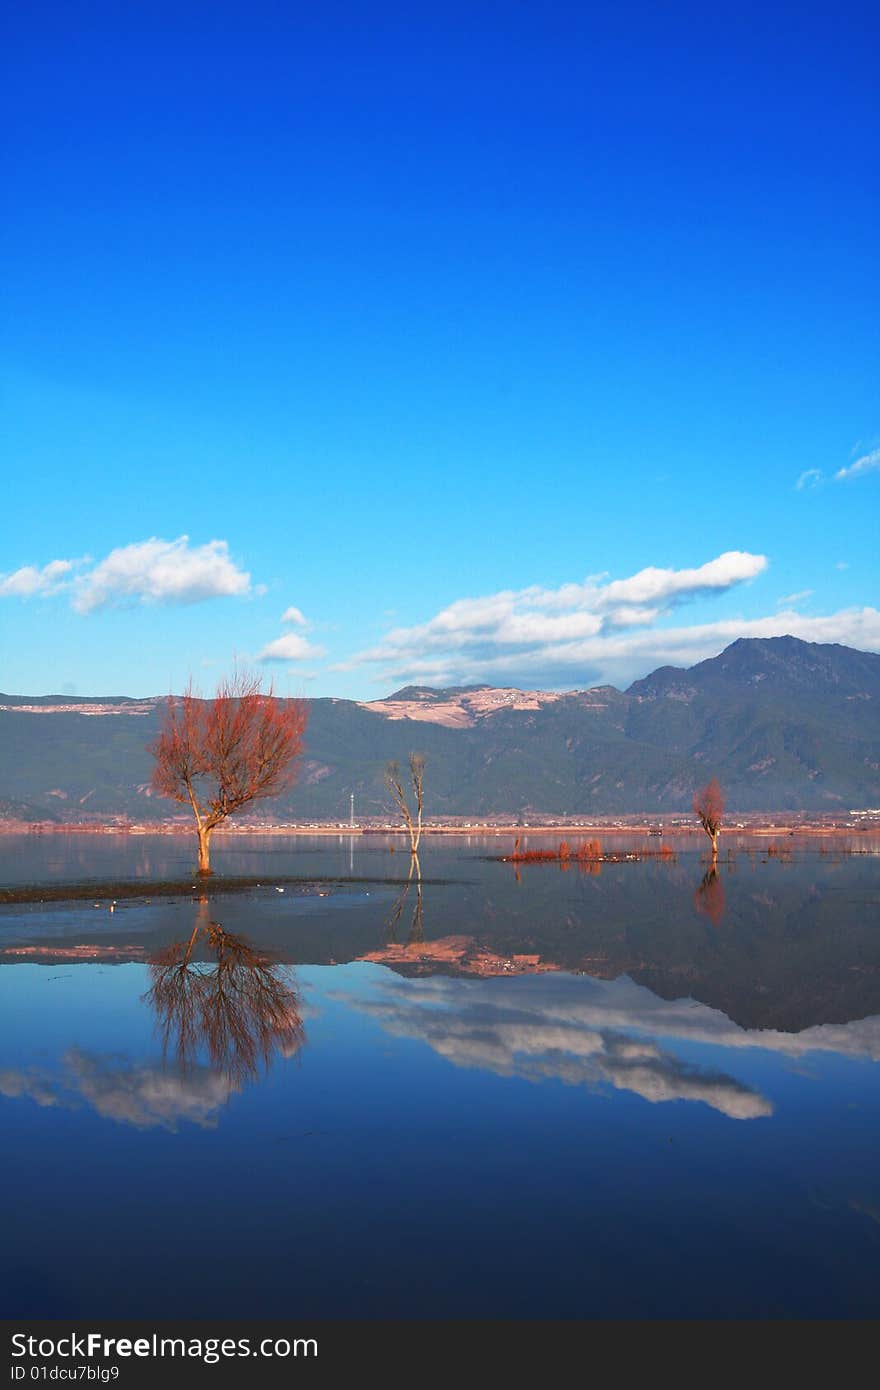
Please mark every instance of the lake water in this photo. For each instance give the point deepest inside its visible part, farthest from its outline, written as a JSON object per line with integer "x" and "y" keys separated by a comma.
{"x": 637, "y": 1092}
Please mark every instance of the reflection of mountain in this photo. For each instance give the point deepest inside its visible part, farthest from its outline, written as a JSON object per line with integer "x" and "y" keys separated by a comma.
{"x": 589, "y": 1032}
{"x": 458, "y": 955}
{"x": 796, "y": 946}
{"x": 773, "y": 945}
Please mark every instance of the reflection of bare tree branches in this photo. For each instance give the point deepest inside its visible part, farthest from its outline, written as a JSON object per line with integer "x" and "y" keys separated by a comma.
{"x": 415, "y": 932}
{"x": 709, "y": 897}
{"x": 242, "y": 1008}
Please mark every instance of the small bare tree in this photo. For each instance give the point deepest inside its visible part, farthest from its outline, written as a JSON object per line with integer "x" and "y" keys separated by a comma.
{"x": 394, "y": 783}
{"x": 219, "y": 755}
{"x": 709, "y": 807}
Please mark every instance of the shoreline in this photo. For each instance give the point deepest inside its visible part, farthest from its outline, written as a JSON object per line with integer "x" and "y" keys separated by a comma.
{"x": 644, "y": 828}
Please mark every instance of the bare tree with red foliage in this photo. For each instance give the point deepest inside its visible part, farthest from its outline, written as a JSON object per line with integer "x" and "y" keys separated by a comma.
{"x": 709, "y": 807}
{"x": 219, "y": 755}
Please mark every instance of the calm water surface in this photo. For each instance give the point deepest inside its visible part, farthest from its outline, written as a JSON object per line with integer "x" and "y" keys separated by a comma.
{"x": 641, "y": 1091}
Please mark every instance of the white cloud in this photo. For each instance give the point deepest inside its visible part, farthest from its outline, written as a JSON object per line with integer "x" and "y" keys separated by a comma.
{"x": 794, "y": 598}
{"x": 618, "y": 657}
{"x": 162, "y": 572}
{"x": 152, "y": 571}
{"x": 811, "y": 478}
{"x": 868, "y": 463}
{"x": 553, "y": 635}
{"x": 632, "y": 616}
{"x": 523, "y": 617}
{"x": 290, "y": 647}
{"x": 29, "y": 580}
{"x": 664, "y": 586}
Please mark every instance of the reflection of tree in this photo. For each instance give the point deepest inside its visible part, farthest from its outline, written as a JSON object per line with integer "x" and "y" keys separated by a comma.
{"x": 709, "y": 897}
{"x": 241, "y": 1007}
{"x": 415, "y": 932}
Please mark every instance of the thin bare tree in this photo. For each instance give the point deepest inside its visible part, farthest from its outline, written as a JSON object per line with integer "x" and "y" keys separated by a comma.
{"x": 394, "y": 782}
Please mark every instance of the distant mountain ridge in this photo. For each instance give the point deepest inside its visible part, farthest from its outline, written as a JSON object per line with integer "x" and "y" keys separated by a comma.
{"x": 783, "y": 661}
{"x": 784, "y": 725}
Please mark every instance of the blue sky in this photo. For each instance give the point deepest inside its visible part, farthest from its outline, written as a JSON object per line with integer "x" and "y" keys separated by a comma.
{"x": 434, "y": 324}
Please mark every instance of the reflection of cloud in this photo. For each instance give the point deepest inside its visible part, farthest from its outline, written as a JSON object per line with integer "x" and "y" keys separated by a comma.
{"x": 540, "y": 1033}
{"x": 134, "y": 1093}
{"x": 536, "y": 1054}
{"x": 27, "y": 1082}
{"x": 587, "y": 1031}
{"x": 145, "y": 1095}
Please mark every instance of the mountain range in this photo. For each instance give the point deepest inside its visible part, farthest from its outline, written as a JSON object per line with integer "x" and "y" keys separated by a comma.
{"x": 783, "y": 724}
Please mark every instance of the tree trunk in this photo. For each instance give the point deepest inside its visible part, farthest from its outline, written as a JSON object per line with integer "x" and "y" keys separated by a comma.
{"x": 204, "y": 850}
{"x": 714, "y": 838}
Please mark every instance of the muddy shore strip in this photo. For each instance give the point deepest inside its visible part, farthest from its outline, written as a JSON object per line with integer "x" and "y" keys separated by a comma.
{"x": 145, "y": 891}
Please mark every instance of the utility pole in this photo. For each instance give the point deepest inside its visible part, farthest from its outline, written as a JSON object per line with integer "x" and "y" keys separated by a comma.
{"x": 351, "y": 816}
